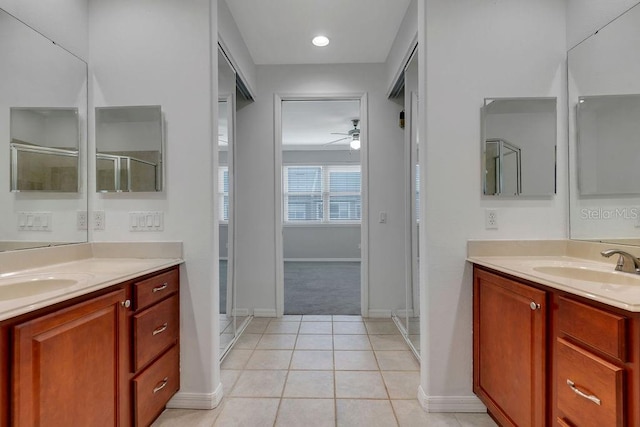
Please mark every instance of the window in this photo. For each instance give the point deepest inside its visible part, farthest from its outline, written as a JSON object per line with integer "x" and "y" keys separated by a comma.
{"x": 223, "y": 193}
{"x": 322, "y": 194}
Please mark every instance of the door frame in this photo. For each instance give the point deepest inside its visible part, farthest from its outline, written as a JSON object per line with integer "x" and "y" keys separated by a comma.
{"x": 364, "y": 168}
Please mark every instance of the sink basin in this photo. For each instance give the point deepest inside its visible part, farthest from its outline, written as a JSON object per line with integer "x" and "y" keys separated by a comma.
{"x": 590, "y": 275}
{"x": 34, "y": 284}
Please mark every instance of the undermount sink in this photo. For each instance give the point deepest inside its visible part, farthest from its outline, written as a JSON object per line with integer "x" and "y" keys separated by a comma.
{"x": 590, "y": 275}
{"x": 34, "y": 284}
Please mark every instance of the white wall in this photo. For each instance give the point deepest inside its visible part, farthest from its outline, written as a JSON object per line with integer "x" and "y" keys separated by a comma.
{"x": 160, "y": 52}
{"x": 63, "y": 21}
{"x": 231, "y": 39}
{"x": 255, "y": 261}
{"x": 475, "y": 50}
{"x": 585, "y": 17}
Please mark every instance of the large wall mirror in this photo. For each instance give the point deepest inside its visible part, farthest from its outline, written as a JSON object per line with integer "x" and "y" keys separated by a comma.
{"x": 43, "y": 110}
{"x": 604, "y": 133}
{"x": 519, "y": 147}
{"x": 129, "y": 148}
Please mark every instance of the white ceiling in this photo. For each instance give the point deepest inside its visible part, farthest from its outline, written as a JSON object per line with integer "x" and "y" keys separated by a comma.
{"x": 313, "y": 123}
{"x": 280, "y": 31}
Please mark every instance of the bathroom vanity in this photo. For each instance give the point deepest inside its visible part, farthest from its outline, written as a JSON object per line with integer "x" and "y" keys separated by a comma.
{"x": 107, "y": 354}
{"x": 554, "y": 344}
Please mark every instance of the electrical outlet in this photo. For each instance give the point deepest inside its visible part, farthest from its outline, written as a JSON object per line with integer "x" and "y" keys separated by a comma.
{"x": 82, "y": 220}
{"x": 491, "y": 219}
{"x": 98, "y": 220}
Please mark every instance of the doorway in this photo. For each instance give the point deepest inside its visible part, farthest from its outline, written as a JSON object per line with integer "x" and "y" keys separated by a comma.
{"x": 321, "y": 215}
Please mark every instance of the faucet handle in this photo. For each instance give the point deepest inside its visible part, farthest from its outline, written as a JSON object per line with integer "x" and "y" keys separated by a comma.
{"x": 626, "y": 262}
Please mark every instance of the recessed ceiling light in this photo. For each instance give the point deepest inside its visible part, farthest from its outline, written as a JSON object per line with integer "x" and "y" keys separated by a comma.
{"x": 320, "y": 41}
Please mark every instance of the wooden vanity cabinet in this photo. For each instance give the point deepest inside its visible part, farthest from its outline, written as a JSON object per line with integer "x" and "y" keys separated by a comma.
{"x": 77, "y": 362}
{"x": 509, "y": 349}
{"x": 571, "y": 362}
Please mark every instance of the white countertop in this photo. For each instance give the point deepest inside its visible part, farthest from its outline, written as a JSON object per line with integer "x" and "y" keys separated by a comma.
{"x": 626, "y": 297}
{"x": 91, "y": 274}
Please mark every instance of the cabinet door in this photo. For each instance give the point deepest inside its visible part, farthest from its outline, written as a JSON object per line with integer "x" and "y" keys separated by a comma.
{"x": 509, "y": 349}
{"x": 66, "y": 365}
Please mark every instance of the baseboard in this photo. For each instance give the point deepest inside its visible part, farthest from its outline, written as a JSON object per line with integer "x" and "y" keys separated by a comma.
{"x": 450, "y": 403}
{"x": 322, "y": 259}
{"x": 240, "y": 312}
{"x": 264, "y": 312}
{"x": 404, "y": 313}
{"x": 379, "y": 313}
{"x": 183, "y": 400}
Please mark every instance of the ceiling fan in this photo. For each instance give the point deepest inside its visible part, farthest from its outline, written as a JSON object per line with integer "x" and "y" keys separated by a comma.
{"x": 353, "y": 135}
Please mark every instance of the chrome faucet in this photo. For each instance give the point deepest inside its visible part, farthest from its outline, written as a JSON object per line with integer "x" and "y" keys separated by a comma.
{"x": 627, "y": 262}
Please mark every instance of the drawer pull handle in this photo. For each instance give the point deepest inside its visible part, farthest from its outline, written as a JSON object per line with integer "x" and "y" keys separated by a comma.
{"x": 581, "y": 393}
{"x": 160, "y": 288}
{"x": 162, "y": 384}
{"x": 160, "y": 329}
{"x": 126, "y": 303}
{"x": 534, "y": 305}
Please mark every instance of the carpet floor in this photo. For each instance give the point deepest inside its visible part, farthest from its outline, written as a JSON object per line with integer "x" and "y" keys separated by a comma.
{"x": 322, "y": 288}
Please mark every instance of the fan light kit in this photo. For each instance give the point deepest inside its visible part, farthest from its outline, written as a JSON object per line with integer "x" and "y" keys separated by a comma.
{"x": 353, "y": 135}
{"x": 320, "y": 41}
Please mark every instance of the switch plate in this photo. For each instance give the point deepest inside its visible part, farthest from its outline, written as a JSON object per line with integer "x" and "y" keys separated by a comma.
{"x": 98, "y": 220}
{"x": 146, "y": 221}
{"x": 491, "y": 219}
{"x": 383, "y": 217}
{"x": 34, "y": 221}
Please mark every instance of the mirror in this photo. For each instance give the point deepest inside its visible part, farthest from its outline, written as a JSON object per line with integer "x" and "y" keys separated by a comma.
{"x": 129, "y": 149}
{"x": 604, "y": 133}
{"x": 44, "y": 149}
{"x": 43, "y": 110}
{"x": 519, "y": 146}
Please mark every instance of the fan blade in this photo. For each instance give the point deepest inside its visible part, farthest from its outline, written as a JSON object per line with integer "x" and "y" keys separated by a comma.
{"x": 337, "y": 140}
{"x": 338, "y": 133}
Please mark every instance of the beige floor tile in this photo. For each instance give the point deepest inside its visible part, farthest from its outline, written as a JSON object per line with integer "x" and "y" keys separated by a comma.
{"x": 247, "y": 341}
{"x": 349, "y": 328}
{"x": 355, "y": 360}
{"x": 186, "y": 417}
{"x": 360, "y": 385}
{"x": 248, "y": 412}
{"x": 388, "y": 342}
{"x": 259, "y": 384}
{"x": 411, "y": 414}
{"x": 377, "y": 327}
{"x": 364, "y": 413}
{"x": 316, "y": 328}
{"x": 291, "y": 318}
{"x": 312, "y": 360}
{"x": 306, "y": 412}
{"x": 316, "y": 318}
{"x": 346, "y": 318}
{"x": 257, "y": 326}
{"x": 280, "y": 327}
{"x": 277, "y": 342}
{"x": 396, "y": 360}
{"x": 228, "y": 377}
{"x": 402, "y": 385}
{"x": 269, "y": 359}
{"x": 351, "y": 342}
{"x": 475, "y": 420}
{"x": 312, "y": 384}
{"x": 314, "y": 342}
{"x": 236, "y": 359}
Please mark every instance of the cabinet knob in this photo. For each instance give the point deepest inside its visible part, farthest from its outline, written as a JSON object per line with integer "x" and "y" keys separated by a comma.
{"x": 126, "y": 303}
{"x": 534, "y": 305}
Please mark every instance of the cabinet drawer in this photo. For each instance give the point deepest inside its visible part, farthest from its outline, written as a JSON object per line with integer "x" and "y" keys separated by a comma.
{"x": 153, "y": 289}
{"x": 153, "y": 388}
{"x": 154, "y": 330}
{"x": 590, "y": 389}
{"x": 600, "y": 329}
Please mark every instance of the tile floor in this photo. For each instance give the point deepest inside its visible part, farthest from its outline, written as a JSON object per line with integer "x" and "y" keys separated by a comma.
{"x": 319, "y": 371}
